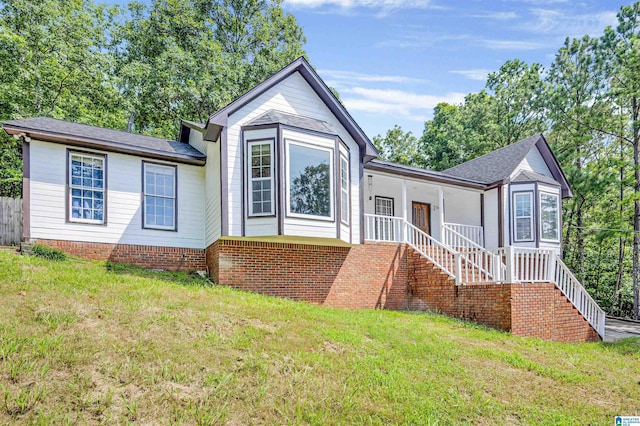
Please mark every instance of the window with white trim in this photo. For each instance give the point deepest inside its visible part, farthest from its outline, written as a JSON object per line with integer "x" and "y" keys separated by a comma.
{"x": 159, "y": 188}
{"x": 384, "y": 206}
{"x": 344, "y": 189}
{"x": 523, "y": 216}
{"x": 310, "y": 181}
{"x": 261, "y": 195}
{"x": 86, "y": 188}
{"x": 549, "y": 217}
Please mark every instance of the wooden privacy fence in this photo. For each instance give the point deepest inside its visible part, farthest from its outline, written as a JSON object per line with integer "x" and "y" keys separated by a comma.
{"x": 10, "y": 221}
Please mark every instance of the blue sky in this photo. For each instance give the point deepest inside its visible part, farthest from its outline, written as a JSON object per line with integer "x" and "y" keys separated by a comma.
{"x": 392, "y": 61}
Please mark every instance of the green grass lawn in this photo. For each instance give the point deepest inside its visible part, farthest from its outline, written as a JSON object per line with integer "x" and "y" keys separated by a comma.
{"x": 83, "y": 343}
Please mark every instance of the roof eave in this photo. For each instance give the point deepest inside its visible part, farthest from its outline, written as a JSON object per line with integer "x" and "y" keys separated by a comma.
{"x": 399, "y": 170}
{"x": 102, "y": 145}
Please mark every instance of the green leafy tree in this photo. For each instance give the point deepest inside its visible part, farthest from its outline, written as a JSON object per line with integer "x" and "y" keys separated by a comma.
{"x": 398, "y": 147}
{"x": 621, "y": 48}
{"x": 186, "y": 59}
{"x": 52, "y": 63}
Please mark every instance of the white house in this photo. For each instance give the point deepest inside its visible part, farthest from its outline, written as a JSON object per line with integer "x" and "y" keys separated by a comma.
{"x": 280, "y": 192}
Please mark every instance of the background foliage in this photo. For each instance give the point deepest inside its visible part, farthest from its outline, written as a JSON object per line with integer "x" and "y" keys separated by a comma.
{"x": 144, "y": 67}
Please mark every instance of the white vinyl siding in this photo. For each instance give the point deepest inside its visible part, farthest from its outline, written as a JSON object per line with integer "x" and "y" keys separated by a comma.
{"x": 124, "y": 202}
{"x": 523, "y": 216}
{"x": 159, "y": 188}
{"x": 260, "y": 177}
{"x": 86, "y": 188}
{"x": 292, "y": 96}
{"x": 533, "y": 162}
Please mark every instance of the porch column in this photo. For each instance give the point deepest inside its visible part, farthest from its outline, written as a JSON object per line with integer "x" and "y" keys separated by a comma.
{"x": 404, "y": 210}
{"x": 441, "y": 210}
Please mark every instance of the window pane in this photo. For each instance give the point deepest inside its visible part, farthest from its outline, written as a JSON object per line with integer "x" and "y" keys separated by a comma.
{"x": 523, "y": 229}
{"x": 87, "y": 186}
{"x": 309, "y": 181}
{"x": 260, "y": 178}
{"x": 549, "y": 216}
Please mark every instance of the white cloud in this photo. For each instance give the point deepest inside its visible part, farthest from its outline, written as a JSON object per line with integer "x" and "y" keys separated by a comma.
{"x": 375, "y": 4}
{"x": 336, "y": 76}
{"x": 479, "y": 74}
{"x": 560, "y": 22}
{"x": 512, "y": 45}
{"x": 498, "y": 16}
{"x": 398, "y": 103}
{"x": 416, "y": 39}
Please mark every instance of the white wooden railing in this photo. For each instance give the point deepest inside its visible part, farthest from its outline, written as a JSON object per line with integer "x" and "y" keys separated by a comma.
{"x": 531, "y": 265}
{"x": 451, "y": 233}
{"x": 578, "y": 295}
{"x": 473, "y": 263}
{"x": 384, "y": 228}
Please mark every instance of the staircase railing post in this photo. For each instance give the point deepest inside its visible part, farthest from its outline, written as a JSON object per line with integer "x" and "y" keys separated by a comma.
{"x": 458, "y": 260}
{"x": 510, "y": 272}
{"x": 551, "y": 268}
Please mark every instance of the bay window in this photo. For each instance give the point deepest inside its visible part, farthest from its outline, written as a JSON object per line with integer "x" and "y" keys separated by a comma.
{"x": 309, "y": 181}
{"x": 549, "y": 217}
{"x": 523, "y": 216}
{"x": 261, "y": 172}
{"x": 344, "y": 189}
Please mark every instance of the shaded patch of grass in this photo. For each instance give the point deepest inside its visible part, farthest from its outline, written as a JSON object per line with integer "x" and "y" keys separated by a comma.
{"x": 87, "y": 342}
{"x": 48, "y": 253}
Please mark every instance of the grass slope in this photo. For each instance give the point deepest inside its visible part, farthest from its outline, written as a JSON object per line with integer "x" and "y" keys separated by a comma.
{"x": 84, "y": 343}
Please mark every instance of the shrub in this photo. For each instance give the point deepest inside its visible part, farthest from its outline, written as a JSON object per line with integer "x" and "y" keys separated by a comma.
{"x": 47, "y": 252}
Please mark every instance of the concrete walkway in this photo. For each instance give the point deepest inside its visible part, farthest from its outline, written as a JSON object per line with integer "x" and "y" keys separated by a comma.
{"x": 618, "y": 329}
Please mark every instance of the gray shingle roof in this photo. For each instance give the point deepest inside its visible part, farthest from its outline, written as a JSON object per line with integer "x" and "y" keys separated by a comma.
{"x": 528, "y": 176}
{"x": 497, "y": 165}
{"x": 109, "y": 138}
{"x": 273, "y": 116}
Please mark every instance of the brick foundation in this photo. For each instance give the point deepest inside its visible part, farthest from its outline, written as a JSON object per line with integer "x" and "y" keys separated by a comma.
{"x": 532, "y": 310}
{"x": 362, "y": 276}
{"x": 156, "y": 257}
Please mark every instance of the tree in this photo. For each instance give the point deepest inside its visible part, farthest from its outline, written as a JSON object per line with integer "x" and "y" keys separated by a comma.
{"x": 518, "y": 89}
{"x": 52, "y": 63}
{"x": 398, "y": 147}
{"x": 622, "y": 50}
{"x": 186, "y": 59}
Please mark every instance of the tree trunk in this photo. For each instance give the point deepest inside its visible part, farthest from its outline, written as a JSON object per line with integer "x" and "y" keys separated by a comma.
{"x": 636, "y": 208}
{"x": 617, "y": 296}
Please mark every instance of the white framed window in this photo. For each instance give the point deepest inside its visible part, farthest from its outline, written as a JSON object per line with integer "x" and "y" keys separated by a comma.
{"x": 523, "y": 216}
{"x": 384, "y": 206}
{"x": 549, "y": 217}
{"x": 344, "y": 189}
{"x": 159, "y": 183}
{"x": 260, "y": 178}
{"x": 87, "y": 182}
{"x": 310, "y": 192}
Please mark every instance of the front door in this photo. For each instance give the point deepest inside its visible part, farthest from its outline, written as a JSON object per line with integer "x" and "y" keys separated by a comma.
{"x": 421, "y": 217}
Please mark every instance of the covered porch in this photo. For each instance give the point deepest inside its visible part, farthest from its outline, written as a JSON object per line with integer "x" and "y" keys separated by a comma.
{"x": 450, "y": 214}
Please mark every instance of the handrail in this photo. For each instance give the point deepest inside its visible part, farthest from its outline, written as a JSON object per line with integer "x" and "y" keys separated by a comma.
{"x": 384, "y": 228}
{"x": 439, "y": 254}
{"x": 453, "y": 238}
{"x": 579, "y": 297}
{"x": 473, "y": 233}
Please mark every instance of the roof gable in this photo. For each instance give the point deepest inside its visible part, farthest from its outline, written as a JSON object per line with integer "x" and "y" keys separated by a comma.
{"x": 219, "y": 119}
{"x": 497, "y": 166}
